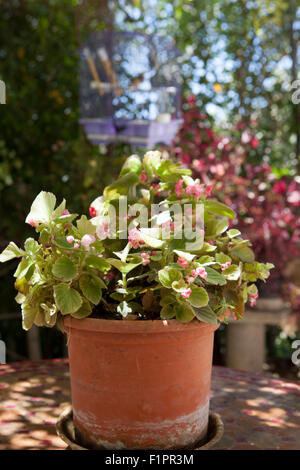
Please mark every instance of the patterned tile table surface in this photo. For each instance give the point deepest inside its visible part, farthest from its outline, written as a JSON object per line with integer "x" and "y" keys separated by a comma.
{"x": 258, "y": 411}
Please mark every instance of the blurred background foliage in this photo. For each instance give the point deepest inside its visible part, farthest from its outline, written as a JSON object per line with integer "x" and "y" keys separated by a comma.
{"x": 239, "y": 60}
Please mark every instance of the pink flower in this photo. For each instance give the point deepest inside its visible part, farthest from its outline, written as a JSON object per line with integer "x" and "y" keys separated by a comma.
{"x": 294, "y": 198}
{"x": 134, "y": 237}
{"x": 186, "y": 293}
{"x": 198, "y": 165}
{"x": 225, "y": 265}
{"x": 194, "y": 190}
{"x": 202, "y": 273}
{"x": 109, "y": 276}
{"x": 208, "y": 190}
{"x": 143, "y": 178}
{"x": 155, "y": 187}
{"x": 70, "y": 239}
{"x": 191, "y": 99}
{"x": 254, "y": 142}
{"x": 189, "y": 279}
{"x": 32, "y": 223}
{"x": 280, "y": 187}
{"x": 252, "y": 298}
{"x": 87, "y": 240}
{"x": 146, "y": 258}
{"x": 102, "y": 230}
{"x": 246, "y": 137}
{"x": 199, "y": 272}
{"x": 178, "y": 188}
{"x": 182, "y": 262}
{"x": 65, "y": 212}
{"x": 92, "y": 211}
{"x": 169, "y": 225}
{"x": 76, "y": 245}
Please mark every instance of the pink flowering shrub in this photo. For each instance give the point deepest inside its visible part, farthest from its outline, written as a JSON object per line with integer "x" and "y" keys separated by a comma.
{"x": 113, "y": 266}
{"x": 267, "y": 208}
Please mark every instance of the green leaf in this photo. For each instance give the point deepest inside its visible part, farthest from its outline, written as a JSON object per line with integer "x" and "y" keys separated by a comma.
{"x": 42, "y": 208}
{"x": 117, "y": 296}
{"x": 214, "y": 227}
{"x": 84, "y": 311}
{"x": 91, "y": 288}
{"x": 44, "y": 236}
{"x": 50, "y": 313}
{"x": 59, "y": 210}
{"x": 150, "y": 240}
{"x": 167, "y": 312}
{"x": 124, "y": 253}
{"x": 152, "y": 161}
{"x": 218, "y": 208}
{"x": 170, "y": 172}
{"x": 213, "y": 277}
{"x": 124, "y": 309}
{"x": 67, "y": 299}
{"x": 167, "y": 300}
{"x": 62, "y": 243}
{"x": 85, "y": 226}
{"x": 199, "y": 297}
{"x": 244, "y": 253}
{"x": 179, "y": 286}
{"x": 28, "y": 315}
{"x": 167, "y": 276}
{"x": 232, "y": 273}
{"x": 31, "y": 246}
{"x": 121, "y": 186}
{"x": 232, "y": 233}
{"x": 206, "y": 260}
{"x": 132, "y": 164}
{"x": 125, "y": 268}
{"x": 64, "y": 269}
{"x": 252, "y": 289}
{"x": 20, "y": 298}
{"x": 98, "y": 280}
{"x": 208, "y": 248}
{"x": 98, "y": 263}
{"x": 206, "y": 314}
{"x": 221, "y": 258}
{"x": 264, "y": 270}
{"x": 184, "y": 313}
{"x": 182, "y": 254}
{"x": 10, "y": 252}
{"x": 23, "y": 268}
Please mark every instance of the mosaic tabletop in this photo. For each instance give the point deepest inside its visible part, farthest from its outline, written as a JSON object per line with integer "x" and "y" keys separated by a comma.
{"x": 258, "y": 411}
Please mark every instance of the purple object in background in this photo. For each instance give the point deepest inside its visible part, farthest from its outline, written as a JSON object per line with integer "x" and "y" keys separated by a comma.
{"x": 130, "y": 88}
{"x": 136, "y": 132}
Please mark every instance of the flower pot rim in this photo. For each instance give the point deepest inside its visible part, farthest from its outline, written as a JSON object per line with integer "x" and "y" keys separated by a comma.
{"x": 136, "y": 326}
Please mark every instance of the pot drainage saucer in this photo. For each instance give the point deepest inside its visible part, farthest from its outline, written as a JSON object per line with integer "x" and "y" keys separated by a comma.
{"x": 66, "y": 431}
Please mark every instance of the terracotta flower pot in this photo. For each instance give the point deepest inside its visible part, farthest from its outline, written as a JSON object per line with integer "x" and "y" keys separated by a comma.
{"x": 140, "y": 384}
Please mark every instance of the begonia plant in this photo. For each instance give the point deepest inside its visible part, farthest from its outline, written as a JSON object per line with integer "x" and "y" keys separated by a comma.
{"x": 156, "y": 245}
